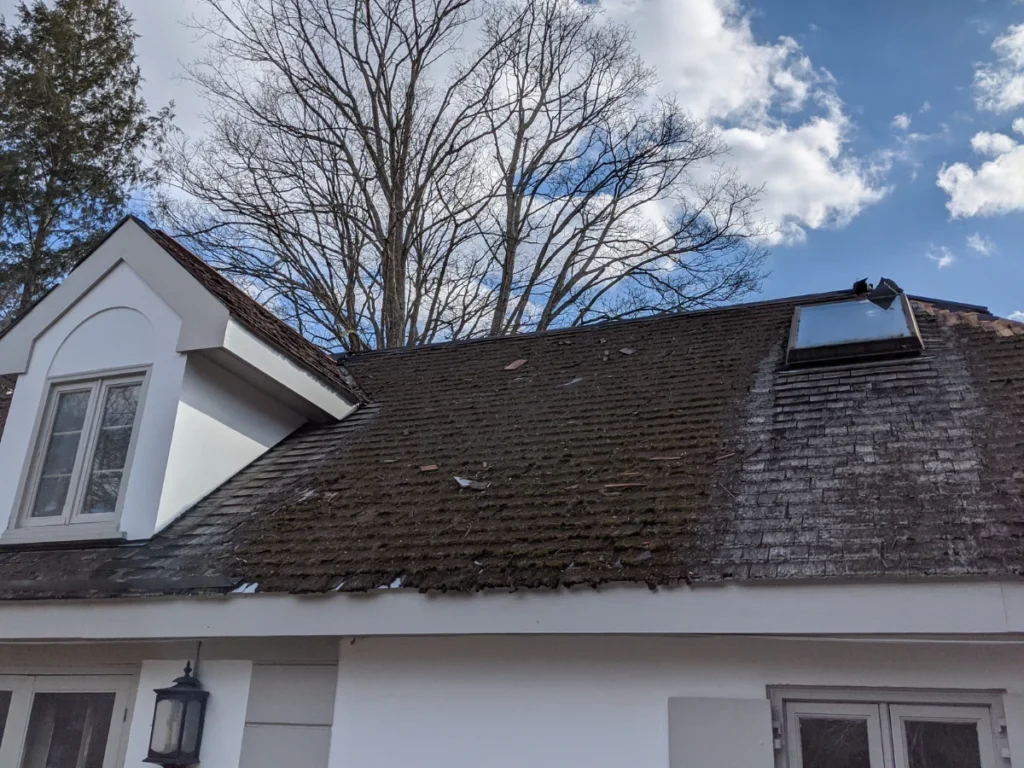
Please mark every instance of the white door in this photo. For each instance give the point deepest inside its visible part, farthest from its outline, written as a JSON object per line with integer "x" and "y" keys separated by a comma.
{"x": 835, "y": 735}
{"x": 62, "y": 721}
{"x": 942, "y": 737}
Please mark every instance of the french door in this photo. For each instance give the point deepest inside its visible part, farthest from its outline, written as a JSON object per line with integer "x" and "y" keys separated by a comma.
{"x": 823, "y": 734}
{"x": 59, "y": 721}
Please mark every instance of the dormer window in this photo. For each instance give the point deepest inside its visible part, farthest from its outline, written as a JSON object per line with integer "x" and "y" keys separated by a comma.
{"x": 83, "y": 452}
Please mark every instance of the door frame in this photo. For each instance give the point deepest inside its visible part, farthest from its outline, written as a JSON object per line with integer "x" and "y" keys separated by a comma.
{"x": 979, "y": 716}
{"x": 819, "y": 710}
{"x": 26, "y": 686}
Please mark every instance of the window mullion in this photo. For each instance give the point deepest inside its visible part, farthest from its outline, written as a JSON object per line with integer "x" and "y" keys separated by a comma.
{"x": 87, "y": 445}
{"x": 888, "y": 749}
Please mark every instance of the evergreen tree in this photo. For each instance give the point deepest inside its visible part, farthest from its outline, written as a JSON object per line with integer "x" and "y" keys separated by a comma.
{"x": 73, "y": 135}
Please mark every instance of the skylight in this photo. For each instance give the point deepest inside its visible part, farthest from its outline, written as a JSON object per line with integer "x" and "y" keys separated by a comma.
{"x": 866, "y": 326}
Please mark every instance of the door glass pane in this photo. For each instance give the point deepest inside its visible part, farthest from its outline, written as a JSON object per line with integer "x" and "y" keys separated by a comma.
{"x": 932, "y": 744}
{"x": 68, "y": 730}
{"x": 834, "y": 743}
{"x": 61, "y": 450}
{"x": 5, "y": 707}
{"x": 111, "y": 452}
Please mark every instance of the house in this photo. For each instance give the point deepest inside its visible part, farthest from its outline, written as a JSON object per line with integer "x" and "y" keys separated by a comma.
{"x": 784, "y": 533}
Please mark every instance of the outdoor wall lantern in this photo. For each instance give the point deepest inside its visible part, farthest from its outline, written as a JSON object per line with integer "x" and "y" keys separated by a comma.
{"x": 178, "y": 722}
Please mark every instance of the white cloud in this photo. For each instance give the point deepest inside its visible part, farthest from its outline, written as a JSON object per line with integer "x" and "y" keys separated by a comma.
{"x": 997, "y": 186}
{"x": 706, "y": 52}
{"x": 992, "y": 144}
{"x": 941, "y": 255}
{"x": 810, "y": 183}
{"x": 901, "y": 121}
{"x": 1018, "y": 125}
{"x": 999, "y": 86}
{"x": 926, "y": 107}
{"x": 1017, "y": 316}
{"x": 758, "y": 92}
{"x": 981, "y": 244}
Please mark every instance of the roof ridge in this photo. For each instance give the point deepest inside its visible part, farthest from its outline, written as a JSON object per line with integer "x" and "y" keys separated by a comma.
{"x": 310, "y": 356}
{"x": 658, "y": 317}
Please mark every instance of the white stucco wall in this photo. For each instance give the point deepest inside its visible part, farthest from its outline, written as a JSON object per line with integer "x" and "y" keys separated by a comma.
{"x": 228, "y": 683}
{"x": 508, "y": 702}
{"x": 222, "y": 424}
{"x": 120, "y": 323}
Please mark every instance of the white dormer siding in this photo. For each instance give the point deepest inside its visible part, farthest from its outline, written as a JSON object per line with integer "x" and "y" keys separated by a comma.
{"x": 121, "y": 325}
{"x": 223, "y": 423}
{"x": 212, "y": 396}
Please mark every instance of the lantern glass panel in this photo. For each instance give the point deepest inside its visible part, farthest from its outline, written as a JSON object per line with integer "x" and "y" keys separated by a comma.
{"x": 167, "y": 726}
{"x": 193, "y": 721}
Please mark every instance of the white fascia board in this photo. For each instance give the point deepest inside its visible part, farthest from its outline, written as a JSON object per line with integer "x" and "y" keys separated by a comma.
{"x": 938, "y": 609}
{"x": 262, "y": 357}
{"x": 204, "y": 318}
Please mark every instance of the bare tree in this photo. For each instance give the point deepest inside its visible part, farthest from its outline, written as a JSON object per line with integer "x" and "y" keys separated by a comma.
{"x": 606, "y": 205}
{"x": 380, "y": 186}
{"x": 336, "y": 164}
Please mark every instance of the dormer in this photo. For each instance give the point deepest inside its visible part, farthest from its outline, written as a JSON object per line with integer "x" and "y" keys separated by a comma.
{"x": 143, "y": 382}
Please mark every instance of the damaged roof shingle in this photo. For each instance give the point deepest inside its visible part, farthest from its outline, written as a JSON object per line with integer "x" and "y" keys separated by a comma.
{"x": 695, "y": 458}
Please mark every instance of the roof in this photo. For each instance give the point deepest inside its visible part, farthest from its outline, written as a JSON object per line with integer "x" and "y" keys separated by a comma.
{"x": 246, "y": 310}
{"x": 258, "y": 319}
{"x": 660, "y": 451}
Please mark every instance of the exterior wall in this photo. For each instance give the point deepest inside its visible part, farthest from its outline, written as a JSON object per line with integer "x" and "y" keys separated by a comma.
{"x": 286, "y": 679}
{"x": 289, "y": 716}
{"x": 228, "y": 683}
{"x": 603, "y": 701}
{"x": 500, "y": 700}
{"x": 223, "y": 423}
{"x": 120, "y": 323}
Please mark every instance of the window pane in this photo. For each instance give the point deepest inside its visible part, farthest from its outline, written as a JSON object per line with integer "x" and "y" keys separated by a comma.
{"x": 61, "y": 451}
{"x": 68, "y": 730}
{"x": 942, "y": 745}
{"x": 122, "y": 402}
{"x": 50, "y": 496}
{"x": 71, "y": 408}
{"x": 101, "y": 496}
{"x": 834, "y": 743}
{"x": 848, "y": 322}
{"x": 60, "y": 454}
{"x": 111, "y": 452}
{"x": 5, "y": 707}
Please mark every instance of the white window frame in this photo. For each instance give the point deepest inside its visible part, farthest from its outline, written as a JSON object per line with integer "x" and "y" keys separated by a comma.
{"x": 888, "y": 707}
{"x": 71, "y": 524}
{"x": 25, "y": 687}
{"x": 808, "y": 710}
{"x": 979, "y": 716}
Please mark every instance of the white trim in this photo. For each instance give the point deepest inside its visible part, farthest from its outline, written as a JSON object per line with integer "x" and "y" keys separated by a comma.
{"x": 805, "y": 710}
{"x": 245, "y": 346}
{"x": 980, "y": 717}
{"x": 23, "y": 527}
{"x": 974, "y": 610}
{"x": 25, "y": 688}
{"x": 885, "y": 709}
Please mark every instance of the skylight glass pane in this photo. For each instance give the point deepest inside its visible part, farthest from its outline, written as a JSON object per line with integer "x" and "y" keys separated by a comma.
{"x": 849, "y": 322}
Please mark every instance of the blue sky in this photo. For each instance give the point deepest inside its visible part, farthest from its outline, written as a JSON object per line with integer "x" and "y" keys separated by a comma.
{"x": 891, "y": 58}
{"x": 806, "y": 92}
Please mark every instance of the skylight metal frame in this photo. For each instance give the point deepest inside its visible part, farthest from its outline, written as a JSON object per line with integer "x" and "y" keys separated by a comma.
{"x": 854, "y": 350}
